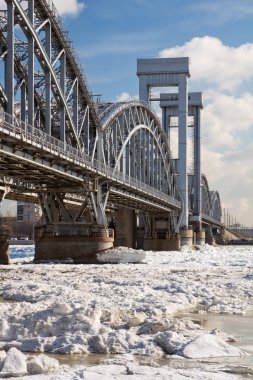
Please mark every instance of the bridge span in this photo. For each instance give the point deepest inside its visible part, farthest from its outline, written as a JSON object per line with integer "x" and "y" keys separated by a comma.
{"x": 103, "y": 173}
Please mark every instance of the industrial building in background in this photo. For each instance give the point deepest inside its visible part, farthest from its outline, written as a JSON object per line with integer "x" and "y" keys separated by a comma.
{"x": 28, "y": 212}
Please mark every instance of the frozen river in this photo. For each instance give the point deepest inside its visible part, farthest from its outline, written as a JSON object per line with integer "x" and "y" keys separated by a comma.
{"x": 178, "y": 315}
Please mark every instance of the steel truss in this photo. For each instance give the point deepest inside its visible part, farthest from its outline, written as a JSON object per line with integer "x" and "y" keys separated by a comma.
{"x": 211, "y": 205}
{"x": 133, "y": 142}
{"x": 48, "y": 80}
{"x": 56, "y": 144}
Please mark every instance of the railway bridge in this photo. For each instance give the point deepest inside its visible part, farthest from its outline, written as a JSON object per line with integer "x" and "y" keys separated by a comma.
{"x": 103, "y": 173}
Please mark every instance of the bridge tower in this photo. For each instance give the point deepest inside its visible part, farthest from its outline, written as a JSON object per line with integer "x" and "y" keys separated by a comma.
{"x": 171, "y": 72}
{"x": 170, "y": 109}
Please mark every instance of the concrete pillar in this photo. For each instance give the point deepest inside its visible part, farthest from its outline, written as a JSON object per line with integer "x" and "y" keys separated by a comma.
{"x": 182, "y": 148}
{"x": 209, "y": 236}
{"x": 186, "y": 237}
{"x": 172, "y": 244}
{"x": 125, "y": 228}
{"x": 4, "y": 245}
{"x": 200, "y": 237}
{"x": 197, "y": 165}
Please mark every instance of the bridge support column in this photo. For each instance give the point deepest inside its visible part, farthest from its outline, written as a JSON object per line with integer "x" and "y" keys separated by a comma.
{"x": 209, "y": 236}
{"x": 68, "y": 233}
{"x": 79, "y": 243}
{"x": 125, "y": 228}
{"x": 200, "y": 237}
{"x": 171, "y": 244}
{"x": 186, "y": 237}
{"x": 4, "y": 245}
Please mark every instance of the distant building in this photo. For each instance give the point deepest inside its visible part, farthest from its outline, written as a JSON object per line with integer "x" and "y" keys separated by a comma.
{"x": 28, "y": 212}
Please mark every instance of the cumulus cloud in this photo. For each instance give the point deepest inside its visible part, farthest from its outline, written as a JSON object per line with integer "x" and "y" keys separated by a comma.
{"x": 217, "y": 64}
{"x": 226, "y": 119}
{"x": 65, "y": 8}
{"x": 70, "y": 7}
{"x": 126, "y": 97}
{"x": 223, "y": 73}
{"x": 231, "y": 174}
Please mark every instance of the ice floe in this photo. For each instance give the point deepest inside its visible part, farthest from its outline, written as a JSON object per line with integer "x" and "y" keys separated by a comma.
{"x": 123, "y": 309}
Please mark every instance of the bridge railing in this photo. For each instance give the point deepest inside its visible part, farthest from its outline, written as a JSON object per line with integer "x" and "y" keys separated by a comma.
{"x": 44, "y": 141}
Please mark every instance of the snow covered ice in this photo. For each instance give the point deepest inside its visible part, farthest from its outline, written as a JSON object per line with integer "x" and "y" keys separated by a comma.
{"x": 125, "y": 312}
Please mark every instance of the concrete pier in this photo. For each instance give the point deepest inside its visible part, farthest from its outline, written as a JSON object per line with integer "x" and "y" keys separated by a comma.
{"x": 79, "y": 243}
{"x": 172, "y": 244}
{"x": 186, "y": 237}
{"x": 209, "y": 238}
{"x": 200, "y": 237}
{"x": 125, "y": 228}
{"x": 4, "y": 245}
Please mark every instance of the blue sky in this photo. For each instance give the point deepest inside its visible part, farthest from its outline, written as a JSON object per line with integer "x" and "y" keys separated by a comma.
{"x": 217, "y": 35}
{"x": 110, "y": 34}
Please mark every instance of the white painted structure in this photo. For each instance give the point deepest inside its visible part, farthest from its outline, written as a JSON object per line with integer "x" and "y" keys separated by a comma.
{"x": 170, "y": 72}
{"x": 169, "y": 104}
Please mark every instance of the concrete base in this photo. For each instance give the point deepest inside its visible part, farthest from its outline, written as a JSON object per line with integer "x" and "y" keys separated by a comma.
{"x": 172, "y": 244}
{"x": 200, "y": 237}
{"x": 81, "y": 249}
{"x": 4, "y": 245}
{"x": 125, "y": 228}
{"x": 186, "y": 237}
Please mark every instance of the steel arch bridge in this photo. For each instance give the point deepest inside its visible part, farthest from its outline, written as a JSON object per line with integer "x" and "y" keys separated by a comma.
{"x": 211, "y": 205}
{"x": 60, "y": 147}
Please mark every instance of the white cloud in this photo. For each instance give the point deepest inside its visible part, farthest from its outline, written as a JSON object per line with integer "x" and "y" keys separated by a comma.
{"x": 214, "y": 63}
{"x": 231, "y": 174}
{"x": 223, "y": 74}
{"x": 70, "y": 7}
{"x": 125, "y": 97}
{"x": 64, "y": 8}
{"x": 223, "y": 11}
{"x": 226, "y": 119}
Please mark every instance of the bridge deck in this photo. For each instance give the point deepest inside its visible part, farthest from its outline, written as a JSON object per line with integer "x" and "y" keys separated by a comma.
{"x": 36, "y": 160}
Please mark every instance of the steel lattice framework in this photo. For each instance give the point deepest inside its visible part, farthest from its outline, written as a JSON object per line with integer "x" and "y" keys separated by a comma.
{"x": 211, "y": 205}
{"x": 58, "y": 145}
{"x": 135, "y": 144}
{"x": 56, "y": 142}
{"x": 48, "y": 79}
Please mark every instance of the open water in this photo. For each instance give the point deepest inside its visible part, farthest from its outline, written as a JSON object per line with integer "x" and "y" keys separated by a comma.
{"x": 21, "y": 251}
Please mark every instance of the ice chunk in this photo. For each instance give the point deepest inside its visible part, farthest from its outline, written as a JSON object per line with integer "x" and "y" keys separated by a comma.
{"x": 14, "y": 364}
{"x": 2, "y": 358}
{"x": 42, "y": 364}
{"x": 170, "y": 341}
{"x": 209, "y": 346}
{"x": 62, "y": 309}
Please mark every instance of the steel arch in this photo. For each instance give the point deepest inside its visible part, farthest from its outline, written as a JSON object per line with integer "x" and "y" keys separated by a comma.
{"x": 133, "y": 142}
{"x": 43, "y": 73}
{"x": 216, "y": 210}
{"x": 211, "y": 204}
{"x": 205, "y": 196}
